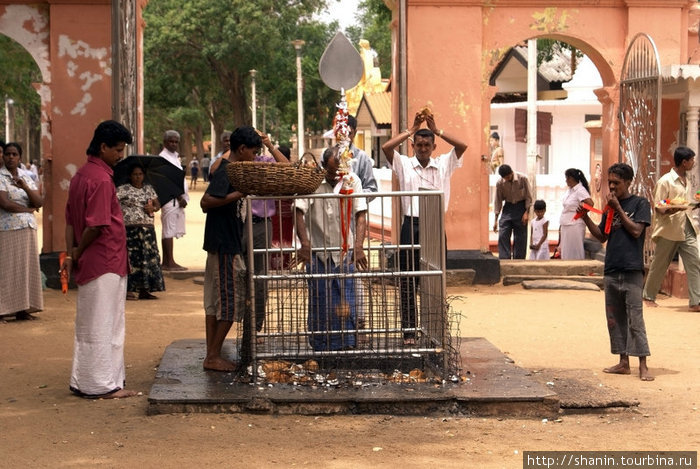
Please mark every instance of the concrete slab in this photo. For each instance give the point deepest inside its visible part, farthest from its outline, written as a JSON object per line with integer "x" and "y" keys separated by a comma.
{"x": 515, "y": 279}
{"x": 491, "y": 386}
{"x": 559, "y": 284}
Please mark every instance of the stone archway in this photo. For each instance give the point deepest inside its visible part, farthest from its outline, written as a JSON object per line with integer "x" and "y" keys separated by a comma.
{"x": 451, "y": 48}
{"x": 72, "y": 43}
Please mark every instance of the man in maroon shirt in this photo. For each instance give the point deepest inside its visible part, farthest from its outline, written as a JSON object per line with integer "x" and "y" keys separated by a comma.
{"x": 96, "y": 246}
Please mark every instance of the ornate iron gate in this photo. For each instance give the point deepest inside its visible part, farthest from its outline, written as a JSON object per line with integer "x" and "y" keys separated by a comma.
{"x": 640, "y": 118}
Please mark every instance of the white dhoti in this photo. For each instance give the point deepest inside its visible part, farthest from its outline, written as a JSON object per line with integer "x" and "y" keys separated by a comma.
{"x": 98, "y": 352}
{"x": 173, "y": 220}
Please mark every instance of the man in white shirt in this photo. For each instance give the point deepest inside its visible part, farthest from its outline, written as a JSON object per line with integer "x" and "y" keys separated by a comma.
{"x": 413, "y": 174}
{"x": 173, "y": 213}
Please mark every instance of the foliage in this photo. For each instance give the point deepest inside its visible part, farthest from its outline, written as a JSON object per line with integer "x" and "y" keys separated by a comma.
{"x": 198, "y": 56}
{"x": 19, "y": 73}
{"x": 546, "y": 48}
{"x": 374, "y": 24}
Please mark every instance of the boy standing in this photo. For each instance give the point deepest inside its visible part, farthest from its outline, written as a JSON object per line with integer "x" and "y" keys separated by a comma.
{"x": 225, "y": 282}
{"x": 624, "y": 269}
{"x": 96, "y": 246}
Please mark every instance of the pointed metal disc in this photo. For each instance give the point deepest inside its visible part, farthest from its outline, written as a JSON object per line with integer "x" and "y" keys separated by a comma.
{"x": 340, "y": 65}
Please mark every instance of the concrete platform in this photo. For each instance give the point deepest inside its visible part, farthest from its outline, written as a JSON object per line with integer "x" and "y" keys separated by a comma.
{"x": 492, "y": 386}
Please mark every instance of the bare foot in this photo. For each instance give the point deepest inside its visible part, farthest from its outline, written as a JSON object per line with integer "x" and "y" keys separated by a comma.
{"x": 694, "y": 309}
{"x": 218, "y": 364}
{"x": 651, "y": 304}
{"x": 644, "y": 370}
{"x": 619, "y": 369}
{"x": 121, "y": 394}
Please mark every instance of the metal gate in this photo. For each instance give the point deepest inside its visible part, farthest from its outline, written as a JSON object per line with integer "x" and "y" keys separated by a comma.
{"x": 640, "y": 119}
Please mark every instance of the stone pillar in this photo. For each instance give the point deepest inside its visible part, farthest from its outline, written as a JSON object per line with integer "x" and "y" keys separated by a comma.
{"x": 127, "y": 79}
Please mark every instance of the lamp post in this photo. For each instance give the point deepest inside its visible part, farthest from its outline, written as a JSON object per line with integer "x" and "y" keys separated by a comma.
{"x": 9, "y": 120}
{"x": 254, "y": 100}
{"x": 300, "y": 103}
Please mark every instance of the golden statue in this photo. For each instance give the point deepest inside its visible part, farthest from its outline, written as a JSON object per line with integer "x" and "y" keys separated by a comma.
{"x": 371, "y": 81}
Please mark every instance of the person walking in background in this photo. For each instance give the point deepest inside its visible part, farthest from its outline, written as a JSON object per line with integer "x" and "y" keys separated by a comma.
{"x": 194, "y": 172}
{"x": 421, "y": 171}
{"x": 514, "y": 197}
{"x": 139, "y": 202}
{"x": 674, "y": 231}
{"x": 205, "y": 163}
{"x": 539, "y": 246}
{"x": 624, "y": 269}
{"x": 20, "y": 275}
{"x": 497, "y": 156}
{"x": 97, "y": 255}
{"x": 172, "y": 216}
{"x": 572, "y": 230}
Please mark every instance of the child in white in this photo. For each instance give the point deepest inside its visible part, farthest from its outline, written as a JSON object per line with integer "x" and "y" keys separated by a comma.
{"x": 539, "y": 246}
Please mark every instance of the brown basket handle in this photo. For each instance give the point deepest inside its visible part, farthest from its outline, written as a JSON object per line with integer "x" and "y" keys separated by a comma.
{"x": 300, "y": 163}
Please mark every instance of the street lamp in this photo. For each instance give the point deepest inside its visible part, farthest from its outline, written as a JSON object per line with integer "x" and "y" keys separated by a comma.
{"x": 9, "y": 117}
{"x": 300, "y": 103}
{"x": 255, "y": 103}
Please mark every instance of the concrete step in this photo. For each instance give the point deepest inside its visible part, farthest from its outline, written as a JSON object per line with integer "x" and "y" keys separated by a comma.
{"x": 515, "y": 279}
{"x": 551, "y": 268}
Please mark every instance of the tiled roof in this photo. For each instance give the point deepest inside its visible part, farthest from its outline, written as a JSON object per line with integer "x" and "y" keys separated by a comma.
{"x": 379, "y": 107}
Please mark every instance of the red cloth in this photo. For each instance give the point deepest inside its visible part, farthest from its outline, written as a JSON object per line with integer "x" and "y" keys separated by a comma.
{"x": 282, "y": 234}
{"x": 92, "y": 201}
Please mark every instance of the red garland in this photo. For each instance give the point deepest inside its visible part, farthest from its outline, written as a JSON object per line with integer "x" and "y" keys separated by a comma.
{"x": 345, "y": 217}
{"x": 608, "y": 220}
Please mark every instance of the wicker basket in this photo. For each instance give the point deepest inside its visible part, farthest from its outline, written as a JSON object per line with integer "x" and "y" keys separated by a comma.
{"x": 259, "y": 178}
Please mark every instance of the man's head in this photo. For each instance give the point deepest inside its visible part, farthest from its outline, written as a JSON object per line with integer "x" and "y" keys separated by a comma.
{"x": 245, "y": 144}
{"x": 684, "y": 156}
{"x": 352, "y": 123}
{"x": 423, "y": 145}
{"x": 619, "y": 179}
{"x": 171, "y": 140}
{"x": 285, "y": 150}
{"x": 330, "y": 162}
{"x": 226, "y": 141}
{"x": 108, "y": 142}
{"x": 506, "y": 172}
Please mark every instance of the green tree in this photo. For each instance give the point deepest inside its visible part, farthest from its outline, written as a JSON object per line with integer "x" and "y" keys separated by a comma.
{"x": 19, "y": 73}
{"x": 374, "y": 24}
{"x": 198, "y": 55}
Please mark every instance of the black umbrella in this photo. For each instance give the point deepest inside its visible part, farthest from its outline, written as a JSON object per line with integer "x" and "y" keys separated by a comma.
{"x": 167, "y": 179}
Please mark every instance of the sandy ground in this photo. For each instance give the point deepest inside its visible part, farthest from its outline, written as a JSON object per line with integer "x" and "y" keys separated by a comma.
{"x": 43, "y": 425}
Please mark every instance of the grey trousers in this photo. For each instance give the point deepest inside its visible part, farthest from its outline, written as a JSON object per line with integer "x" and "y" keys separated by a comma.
{"x": 663, "y": 255}
{"x": 624, "y": 313}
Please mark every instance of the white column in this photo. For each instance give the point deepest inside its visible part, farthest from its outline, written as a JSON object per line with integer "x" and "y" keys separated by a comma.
{"x": 254, "y": 99}
{"x": 532, "y": 113}
{"x": 300, "y": 99}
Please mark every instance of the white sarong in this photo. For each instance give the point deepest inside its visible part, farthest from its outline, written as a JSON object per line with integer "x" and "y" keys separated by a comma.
{"x": 172, "y": 220}
{"x": 98, "y": 353}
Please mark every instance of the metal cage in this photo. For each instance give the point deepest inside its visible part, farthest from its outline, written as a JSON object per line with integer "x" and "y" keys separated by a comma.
{"x": 334, "y": 317}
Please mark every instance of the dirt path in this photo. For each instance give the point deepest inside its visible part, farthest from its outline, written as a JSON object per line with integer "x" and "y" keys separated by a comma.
{"x": 43, "y": 425}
